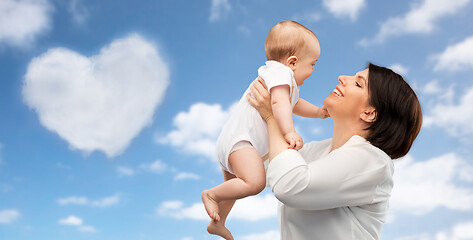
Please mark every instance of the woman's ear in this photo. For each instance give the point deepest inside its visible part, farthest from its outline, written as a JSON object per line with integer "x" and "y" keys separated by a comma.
{"x": 368, "y": 115}
{"x": 291, "y": 62}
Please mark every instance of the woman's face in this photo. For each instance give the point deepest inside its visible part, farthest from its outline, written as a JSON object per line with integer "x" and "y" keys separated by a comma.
{"x": 350, "y": 98}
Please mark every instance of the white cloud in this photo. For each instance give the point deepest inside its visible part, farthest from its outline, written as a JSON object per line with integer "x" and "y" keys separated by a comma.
{"x": 22, "y": 21}
{"x": 432, "y": 87}
{"x": 76, "y": 221}
{"x": 461, "y": 231}
{"x": 432, "y": 183}
{"x": 219, "y": 9}
{"x": 345, "y": 8}
{"x": 197, "y": 130}
{"x": 103, "y": 202}
{"x": 71, "y": 220}
{"x": 73, "y": 201}
{"x": 186, "y": 175}
{"x": 157, "y": 166}
{"x": 101, "y": 102}
{"x": 454, "y": 118}
{"x": 399, "y": 69}
{"x": 255, "y": 208}
{"x": 420, "y": 19}
{"x": 270, "y": 235}
{"x": 9, "y": 215}
{"x": 106, "y": 202}
{"x": 175, "y": 209}
{"x": 87, "y": 229}
{"x": 252, "y": 208}
{"x": 456, "y": 57}
{"x": 125, "y": 171}
{"x": 78, "y": 11}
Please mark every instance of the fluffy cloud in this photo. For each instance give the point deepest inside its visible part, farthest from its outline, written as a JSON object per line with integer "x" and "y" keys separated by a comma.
{"x": 399, "y": 69}
{"x": 22, "y": 21}
{"x": 176, "y": 209}
{"x": 186, "y": 175}
{"x": 255, "y": 208}
{"x": 432, "y": 87}
{"x": 103, "y": 202}
{"x": 87, "y": 229}
{"x": 78, "y": 11}
{"x": 197, "y": 130}
{"x": 125, "y": 171}
{"x": 420, "y": 19}
{"x": 100, "y": 102}
{"x": 456, "y": 57}
{"x": 455, "y": 118}
{"x": 252, "y": 208}
{"x": 345, "y": 8}
{"x": 9, "y": 216}
{"x": 433, "y": 183}
{"x": 218, "y": 9}
{"x": 461, "y": 231}
{"x": 270, "y": 235}
{"x": 157, "y": 166}
{"x": 71, "y": 220}
{"x": 76, "y": 221}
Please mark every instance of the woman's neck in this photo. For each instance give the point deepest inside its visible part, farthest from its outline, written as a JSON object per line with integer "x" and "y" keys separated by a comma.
{"x": 341, "y": 134}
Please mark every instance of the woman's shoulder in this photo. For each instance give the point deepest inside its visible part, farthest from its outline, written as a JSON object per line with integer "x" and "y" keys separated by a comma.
{"x": 358, "y": 142}
{"x": 359, "y": 148}
{"x": 316, "y": 149}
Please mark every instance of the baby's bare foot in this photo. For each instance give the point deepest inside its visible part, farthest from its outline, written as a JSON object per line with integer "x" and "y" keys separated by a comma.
{"x": 211, "y": 206}
{"x": 218, "y": 228}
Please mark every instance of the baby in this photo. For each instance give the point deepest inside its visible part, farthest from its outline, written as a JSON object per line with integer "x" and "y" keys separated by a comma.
{"x": 291, "y": 50}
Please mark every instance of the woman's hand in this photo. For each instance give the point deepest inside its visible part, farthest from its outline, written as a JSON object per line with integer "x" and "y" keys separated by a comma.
{"x": 261, "y": 99}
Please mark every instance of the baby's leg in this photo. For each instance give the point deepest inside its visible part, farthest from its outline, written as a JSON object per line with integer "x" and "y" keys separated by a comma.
{"x": 250, "y": 180}
{"x": 218, "y": 227}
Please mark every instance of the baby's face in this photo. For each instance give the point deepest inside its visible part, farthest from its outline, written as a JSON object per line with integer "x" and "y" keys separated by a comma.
{"x": 306, "y": 60}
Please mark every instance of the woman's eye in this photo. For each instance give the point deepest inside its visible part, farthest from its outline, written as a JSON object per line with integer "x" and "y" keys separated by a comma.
{"x": 357, "y": 84}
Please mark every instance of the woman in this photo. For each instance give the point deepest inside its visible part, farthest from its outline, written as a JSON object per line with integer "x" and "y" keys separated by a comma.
{"x": 339, "y": 188}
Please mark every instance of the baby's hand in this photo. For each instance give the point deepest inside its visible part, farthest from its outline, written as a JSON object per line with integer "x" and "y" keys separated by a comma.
{"x": 322, "y": 112}
{"x": 294, "y": 140}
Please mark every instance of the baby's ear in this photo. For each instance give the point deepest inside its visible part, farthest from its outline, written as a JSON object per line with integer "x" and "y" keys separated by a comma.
{"x": 291, "y": 62}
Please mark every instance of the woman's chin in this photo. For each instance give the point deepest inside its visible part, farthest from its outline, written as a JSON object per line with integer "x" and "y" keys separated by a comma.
{"x": 328, "y": 102}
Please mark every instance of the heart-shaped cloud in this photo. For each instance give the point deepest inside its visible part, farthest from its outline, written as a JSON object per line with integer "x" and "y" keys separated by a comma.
{"x": 100, "y": 102}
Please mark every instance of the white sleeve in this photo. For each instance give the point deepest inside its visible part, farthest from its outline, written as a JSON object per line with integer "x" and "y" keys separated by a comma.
{"x": 345, "y": 177}
{"x": 276, "y": 76}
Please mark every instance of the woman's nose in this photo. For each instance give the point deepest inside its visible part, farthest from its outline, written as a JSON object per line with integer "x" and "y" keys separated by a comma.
{"x": 341, "y": 80}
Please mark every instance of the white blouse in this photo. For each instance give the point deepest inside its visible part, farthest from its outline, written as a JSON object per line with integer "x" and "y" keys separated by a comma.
{"x": 342, "y": 195}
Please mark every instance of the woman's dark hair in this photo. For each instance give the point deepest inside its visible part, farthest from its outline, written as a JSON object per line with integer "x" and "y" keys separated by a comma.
{"x": 398, "y": 112}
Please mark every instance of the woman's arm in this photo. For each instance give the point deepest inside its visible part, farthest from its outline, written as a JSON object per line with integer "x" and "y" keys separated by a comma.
{"x": 345, "y": 177}
{"x": 262, "y": 102}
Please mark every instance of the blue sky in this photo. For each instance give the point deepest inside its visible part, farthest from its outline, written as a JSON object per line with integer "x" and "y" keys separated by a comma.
{"x": 109, "y": 110}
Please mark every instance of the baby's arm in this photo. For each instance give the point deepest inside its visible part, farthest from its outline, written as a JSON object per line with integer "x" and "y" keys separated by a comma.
{"x": 282, "y": 112}
{"x": 307, "y": 109}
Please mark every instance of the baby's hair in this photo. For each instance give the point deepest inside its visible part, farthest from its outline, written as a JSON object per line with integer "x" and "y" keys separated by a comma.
{"x": 285, "y": 39}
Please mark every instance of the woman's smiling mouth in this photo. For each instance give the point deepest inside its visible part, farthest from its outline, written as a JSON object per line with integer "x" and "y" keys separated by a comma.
{"x": 337, "y": 92}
